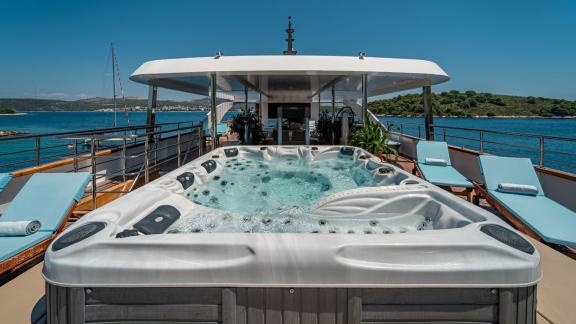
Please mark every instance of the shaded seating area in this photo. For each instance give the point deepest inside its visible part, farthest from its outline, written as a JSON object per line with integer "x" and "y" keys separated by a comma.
{"x": 434, "y": 165}
{"x": 48, "y": 198}
{"x": 512, "y": 186}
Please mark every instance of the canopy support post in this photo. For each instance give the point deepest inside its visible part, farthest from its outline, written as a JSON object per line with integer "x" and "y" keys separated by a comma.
{"x": 364, "y": 99}
{"x": 259, "y": 110}
{"x": 279, "y": 125}
{"x": 428, "y": 113}
{"x": 333, "y": 112}
{"x": 246, "y": 111}
{"x": 213, "y": 114}
{"x": 151, "y": 110}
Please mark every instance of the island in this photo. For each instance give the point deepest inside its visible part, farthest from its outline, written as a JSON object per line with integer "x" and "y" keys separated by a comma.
{"x": 475, "y": 104}
{"x": 8, "y": 111}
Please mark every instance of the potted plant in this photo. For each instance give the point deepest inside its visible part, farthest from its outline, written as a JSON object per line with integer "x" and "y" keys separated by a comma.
{"x": 256, "y": 135}
{"x": 372, "y": 139}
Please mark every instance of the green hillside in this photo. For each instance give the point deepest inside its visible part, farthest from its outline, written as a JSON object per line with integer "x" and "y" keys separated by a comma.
{"x": 88, "y": 104}
{"x": 471, "y": 103}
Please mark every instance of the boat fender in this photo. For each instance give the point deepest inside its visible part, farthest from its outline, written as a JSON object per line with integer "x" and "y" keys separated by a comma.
{"x": 209, "y": 165}
{"x": 186, "y": 179}
{"x": 230, "y": 152}
{"x": 158, "y": 220}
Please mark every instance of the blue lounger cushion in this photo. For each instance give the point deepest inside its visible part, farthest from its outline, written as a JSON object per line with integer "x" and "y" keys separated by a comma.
{"x": 547, "y": 218}
{"x": 499, "y": 169}
{"x": 439, "y": 175}
{"x": 444, "y": 176}
{"x": 47, "y": 197}
{"x": 10, "y": 246}
{"x": 4, "y": 179}
{"x": 553, "y": 222}
{"x": 432, "y": 150}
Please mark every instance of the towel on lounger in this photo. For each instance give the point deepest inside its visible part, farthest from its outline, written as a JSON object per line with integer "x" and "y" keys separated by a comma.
{"x": 518, "y": 189}
{"x": 22, "y": 228}
{"x": 437, "y": 162}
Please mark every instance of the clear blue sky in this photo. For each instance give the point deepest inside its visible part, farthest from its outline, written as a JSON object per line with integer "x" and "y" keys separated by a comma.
{"x": 60, "y": 49}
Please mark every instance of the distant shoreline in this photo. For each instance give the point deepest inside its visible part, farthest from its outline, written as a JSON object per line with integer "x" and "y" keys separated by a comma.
{"x": 13, "y": 114}
{"x": 487, "y": 117}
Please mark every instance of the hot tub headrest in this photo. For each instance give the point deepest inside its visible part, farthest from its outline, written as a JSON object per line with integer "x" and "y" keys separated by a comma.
{"x": 347, "y": 151}
{"x": 158, "y": 220}
{"x": 186, "y": 179}
{"x": 209, "y": 165}
{"x": 230, "y": 152}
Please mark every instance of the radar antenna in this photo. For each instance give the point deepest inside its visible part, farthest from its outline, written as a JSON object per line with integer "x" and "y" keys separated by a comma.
{"x": 290, "y": 31}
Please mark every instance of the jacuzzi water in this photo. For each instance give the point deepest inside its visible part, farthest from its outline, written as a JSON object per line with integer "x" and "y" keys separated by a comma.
{"x": 256, "y": 195}
{"x": 256, "y": 185}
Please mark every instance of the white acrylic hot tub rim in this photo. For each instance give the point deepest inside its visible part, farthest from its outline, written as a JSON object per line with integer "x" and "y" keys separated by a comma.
{"x": 461, "y": 257}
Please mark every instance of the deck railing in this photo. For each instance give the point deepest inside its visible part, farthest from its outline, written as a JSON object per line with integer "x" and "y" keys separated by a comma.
{"x": 125, "y": 153}
{"x": 553, "y": 152}
{"x": 17, "y": 152}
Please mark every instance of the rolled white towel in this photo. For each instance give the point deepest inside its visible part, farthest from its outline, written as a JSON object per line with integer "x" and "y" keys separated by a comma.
{"x": 22, "y": 228}
{"x": 518, "y": 189}
{"x": 437, "y": 162}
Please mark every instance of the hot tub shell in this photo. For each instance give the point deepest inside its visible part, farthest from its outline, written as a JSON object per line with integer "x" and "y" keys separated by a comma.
{"x": 455, "y": 273}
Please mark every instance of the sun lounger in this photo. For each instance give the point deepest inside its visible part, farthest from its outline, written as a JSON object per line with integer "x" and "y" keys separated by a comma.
{"x": 48, "y": 198}
{"x": 530, "y": 210}
{"x": 4, "y": 179}
{"x": 434, "y": 165}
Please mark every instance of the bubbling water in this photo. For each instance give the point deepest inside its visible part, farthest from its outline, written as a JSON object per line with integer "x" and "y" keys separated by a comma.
{"x": 260, "y": 196}
{"x": 258, "y": 186}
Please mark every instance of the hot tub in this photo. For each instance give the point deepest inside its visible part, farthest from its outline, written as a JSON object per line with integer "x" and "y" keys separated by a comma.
{"x": 247, "y": 234}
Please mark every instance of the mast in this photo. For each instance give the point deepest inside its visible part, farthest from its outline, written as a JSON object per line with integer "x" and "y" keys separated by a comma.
{"x": 290, "y": 31}
{"x": 114, "y": 81}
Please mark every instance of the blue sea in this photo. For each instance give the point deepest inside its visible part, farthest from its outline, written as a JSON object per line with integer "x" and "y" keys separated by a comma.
{"x": 558, "y": 154}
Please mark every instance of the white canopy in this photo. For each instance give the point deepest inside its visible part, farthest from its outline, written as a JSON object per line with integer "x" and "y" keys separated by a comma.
{"x": 290, "y": 77}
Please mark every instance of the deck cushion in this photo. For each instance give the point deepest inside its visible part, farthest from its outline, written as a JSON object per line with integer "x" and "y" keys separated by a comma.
{"x": 4, "y": 179}
{"x": 443, "y": 176}
{"x": 10, "y": 246}
{"x": 48, "y": 198}
{"x": 547, "y": 218}
{"x": 432, "y": 150}
{"x": 499, "y": 169}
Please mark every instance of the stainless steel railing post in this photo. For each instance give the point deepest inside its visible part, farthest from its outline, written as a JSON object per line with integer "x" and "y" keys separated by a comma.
{"x": 124, "y": 164}
{"x": 37, "y": 150}
{"x": 93, "y": 161}
{"x": 75, "y": 143}
{"x": 178, "y": 149}
{"x": 542, "y": 151}
{"x": 200, "y": 141}
{"x": 146, "y": 162}
{"x": 481, "y": 141}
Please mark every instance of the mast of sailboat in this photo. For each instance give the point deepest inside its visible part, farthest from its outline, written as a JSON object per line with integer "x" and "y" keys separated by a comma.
{"x": 114, "y": 82}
